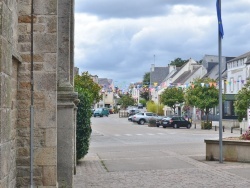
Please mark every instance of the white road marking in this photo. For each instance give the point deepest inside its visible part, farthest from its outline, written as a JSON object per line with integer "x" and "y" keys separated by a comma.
{"x": 128, "y": 134}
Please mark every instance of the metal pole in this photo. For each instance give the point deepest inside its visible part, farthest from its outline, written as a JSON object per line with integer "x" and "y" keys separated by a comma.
{"x": 32, "y": 98}
{"x": 220, "y": 92}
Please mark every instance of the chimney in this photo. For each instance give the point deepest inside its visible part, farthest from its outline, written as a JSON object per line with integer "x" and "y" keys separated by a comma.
{"x": 152, "y": 67}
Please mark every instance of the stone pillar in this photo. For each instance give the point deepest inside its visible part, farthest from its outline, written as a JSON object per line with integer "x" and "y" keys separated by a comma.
{"x": 66, "y": 96}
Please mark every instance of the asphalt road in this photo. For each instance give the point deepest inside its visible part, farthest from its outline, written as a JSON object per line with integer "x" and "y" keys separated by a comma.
{"x": 125, "y": 154}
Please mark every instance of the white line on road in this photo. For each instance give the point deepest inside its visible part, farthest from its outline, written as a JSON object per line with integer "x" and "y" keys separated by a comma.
{"x": 128, "y": 134}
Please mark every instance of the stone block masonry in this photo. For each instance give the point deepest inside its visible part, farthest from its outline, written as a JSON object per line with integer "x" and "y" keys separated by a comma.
{"x": 53, "y": 93}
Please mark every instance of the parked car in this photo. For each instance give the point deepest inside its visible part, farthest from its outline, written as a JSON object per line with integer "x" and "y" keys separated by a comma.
{"x": 158, "y": 120}
{"x": 143, "y": 117}
{"x": 133, "y": 112}
{"x": 175, "y": 122}
{"x": 130, "y": 118}
{"x": 140, "y": 106}
{"x": 101, "y": 112}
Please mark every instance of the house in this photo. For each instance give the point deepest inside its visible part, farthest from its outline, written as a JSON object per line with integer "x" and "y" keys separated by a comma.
{"x": 107, "y": 92}
{"x": 238, "y": 72}
{"x": 157, "y": 75}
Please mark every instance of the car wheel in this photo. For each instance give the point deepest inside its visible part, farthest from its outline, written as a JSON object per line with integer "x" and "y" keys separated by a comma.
{"x": 188, "y": 126}
{"x": 101, "y": 115}
{"x": 94, "y": 115}
{"x": 142, "y": 121}
{"x": 164, "y": 127}
{"x": 176, "y": 126}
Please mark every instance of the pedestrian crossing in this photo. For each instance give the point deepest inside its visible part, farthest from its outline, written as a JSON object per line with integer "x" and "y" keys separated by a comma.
{"x": 145, "y": 134}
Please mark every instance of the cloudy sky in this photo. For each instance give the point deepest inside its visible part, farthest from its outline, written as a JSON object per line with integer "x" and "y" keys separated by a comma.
{"x": 118, "y": 39}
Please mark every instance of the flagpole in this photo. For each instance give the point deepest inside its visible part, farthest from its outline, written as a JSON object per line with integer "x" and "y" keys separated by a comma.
{"x": 220, "y": 87}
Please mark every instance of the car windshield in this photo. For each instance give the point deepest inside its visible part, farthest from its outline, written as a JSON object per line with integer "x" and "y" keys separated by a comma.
{"x": 98, "y": 109}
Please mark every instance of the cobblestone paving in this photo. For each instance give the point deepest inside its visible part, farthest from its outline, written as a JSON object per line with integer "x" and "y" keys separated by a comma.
{"x": 91, "y": 173}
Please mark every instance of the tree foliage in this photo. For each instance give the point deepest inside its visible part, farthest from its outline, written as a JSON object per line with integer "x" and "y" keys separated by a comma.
{"x": 203, "y": 97}
{"x": 155, "y": 108}
{"x": 88, "y": 93}
{"x": 146, "y": 78}
{"x": 126, "y": 100}
{"x": 84, "y": 130}
{"x": 172, "y": 96}
{"x": 144, "y": 94}
{"x": 242, "y": 102}
{"x": 178, "y": 62}
{"x": 84, "y": 82}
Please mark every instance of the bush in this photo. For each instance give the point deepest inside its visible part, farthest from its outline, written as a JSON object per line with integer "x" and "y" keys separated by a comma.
{"x": 83, "y": 127}
{"x": 152, "y": 107}
{"x": 206, "y": 125}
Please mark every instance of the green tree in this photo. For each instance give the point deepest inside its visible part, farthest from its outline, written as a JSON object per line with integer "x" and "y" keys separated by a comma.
{"x": 88, "y": 93}
{"x": 178, "y": 62}
{"x": 203, "y": 95}
{"x": 172, "y": 96}
{"x": 242, "y": 101}
{"x": 145, "y": 84}
{"x": 146, "y": 78}
{"x": 144, "y": 94}
{"x": 126, "y": 100}
{"x": 86, "y": 83}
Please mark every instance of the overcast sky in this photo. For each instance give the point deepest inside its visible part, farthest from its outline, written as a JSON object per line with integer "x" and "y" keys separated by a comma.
{"x": 117, "y": 39}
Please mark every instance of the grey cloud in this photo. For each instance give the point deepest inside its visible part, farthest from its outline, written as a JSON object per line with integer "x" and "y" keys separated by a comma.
{"x": 131, "y": 8}
{"x": 126, "y": 47}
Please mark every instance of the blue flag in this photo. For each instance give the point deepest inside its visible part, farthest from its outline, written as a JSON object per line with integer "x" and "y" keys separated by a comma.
{"x": 221, "y": 32}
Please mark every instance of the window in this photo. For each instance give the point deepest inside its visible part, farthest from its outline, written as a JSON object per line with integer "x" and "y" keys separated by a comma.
{"x": 228, "y": 108}
{"x": 231, "y": 84}
{"x": 239, "y": 83}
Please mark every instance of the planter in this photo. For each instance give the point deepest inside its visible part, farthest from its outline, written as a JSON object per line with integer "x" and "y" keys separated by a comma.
{"x": 206, "y": 125}
{"x": 233, "y": 150}
{"x": 152, "y": 122}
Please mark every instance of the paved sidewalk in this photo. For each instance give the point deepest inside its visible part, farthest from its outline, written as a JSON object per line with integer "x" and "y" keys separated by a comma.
{"x": 144, "y": 166}
{"x": 91, "y": 172}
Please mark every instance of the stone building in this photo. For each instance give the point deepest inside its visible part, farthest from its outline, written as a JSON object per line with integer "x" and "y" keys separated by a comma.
{"x": 39, "y": 77}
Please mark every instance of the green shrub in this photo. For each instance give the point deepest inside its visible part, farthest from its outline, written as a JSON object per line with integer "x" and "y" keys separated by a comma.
{"x": 83, "y": 127}
{"x": 155, "y": 108}
{"x": 206, "y": 125}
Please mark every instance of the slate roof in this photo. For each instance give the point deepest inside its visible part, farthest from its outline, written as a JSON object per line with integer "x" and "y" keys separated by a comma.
{"x": 242, "y": 56}
{"x": 182, "y": 79}
{"x": 159, "y": 74}
{"x": 104, "y": 82}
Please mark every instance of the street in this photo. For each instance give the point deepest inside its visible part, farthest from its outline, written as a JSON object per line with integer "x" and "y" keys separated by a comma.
{"x": 125, "y": 154}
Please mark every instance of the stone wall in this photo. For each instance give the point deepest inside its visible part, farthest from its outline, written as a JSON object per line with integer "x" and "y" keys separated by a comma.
{"x": 8, "y": 94}
{"x": 45, "y": 93}
{"x": 54, "y": 96}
